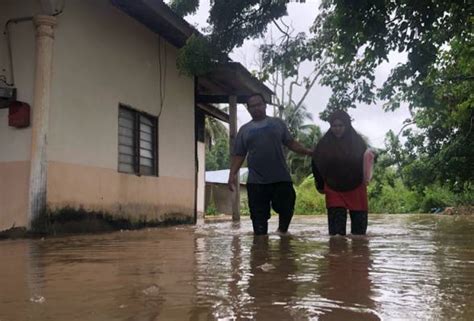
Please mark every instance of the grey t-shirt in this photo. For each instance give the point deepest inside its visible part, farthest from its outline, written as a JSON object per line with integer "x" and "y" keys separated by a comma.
{"x": 262, "y": 142}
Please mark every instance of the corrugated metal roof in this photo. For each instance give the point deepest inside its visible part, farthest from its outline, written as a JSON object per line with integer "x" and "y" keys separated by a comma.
{"x": 222, "y": 176}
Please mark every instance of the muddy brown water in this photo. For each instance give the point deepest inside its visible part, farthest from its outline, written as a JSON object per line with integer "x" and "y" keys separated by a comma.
{"x": 409, "y": 267}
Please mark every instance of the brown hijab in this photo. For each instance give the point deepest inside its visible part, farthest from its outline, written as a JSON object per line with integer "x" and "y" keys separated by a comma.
{"x": 340, "y": 160}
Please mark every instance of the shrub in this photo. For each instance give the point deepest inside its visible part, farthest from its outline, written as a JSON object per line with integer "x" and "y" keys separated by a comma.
{"x": 308, "y": 200}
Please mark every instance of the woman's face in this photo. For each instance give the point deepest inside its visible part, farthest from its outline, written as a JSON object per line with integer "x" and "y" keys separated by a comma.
{"x": 338, "y": 128}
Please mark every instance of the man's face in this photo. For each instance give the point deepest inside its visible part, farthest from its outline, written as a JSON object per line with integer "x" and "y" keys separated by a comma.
{"x": 256, "y": 107}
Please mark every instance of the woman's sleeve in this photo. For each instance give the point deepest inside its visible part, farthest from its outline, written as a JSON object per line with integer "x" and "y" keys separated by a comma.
{"x": 318, "y": 179}
{"x": 368, "y": 165}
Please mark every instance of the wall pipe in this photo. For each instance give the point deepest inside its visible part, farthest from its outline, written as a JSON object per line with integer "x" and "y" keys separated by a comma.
{"x": 6, "y": 32}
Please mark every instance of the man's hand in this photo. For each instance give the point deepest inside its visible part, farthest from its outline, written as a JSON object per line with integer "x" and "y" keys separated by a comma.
{"x": 236, "y": 162}
{"x": 298, "y": 148}
{"x": 231, "y": 183}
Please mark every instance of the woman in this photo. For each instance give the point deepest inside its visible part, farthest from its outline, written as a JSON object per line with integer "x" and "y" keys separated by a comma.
{"x": 342, "y": 168}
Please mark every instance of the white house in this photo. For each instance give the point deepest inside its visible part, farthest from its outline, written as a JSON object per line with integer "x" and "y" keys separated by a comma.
{"x": 114, "y": 127}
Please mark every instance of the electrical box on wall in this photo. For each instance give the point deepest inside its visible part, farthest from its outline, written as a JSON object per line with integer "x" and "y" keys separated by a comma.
{"x": 19, "y": 114}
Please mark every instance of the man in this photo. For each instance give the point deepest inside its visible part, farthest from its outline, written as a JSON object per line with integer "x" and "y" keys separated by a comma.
{"x": 269, "y": 183}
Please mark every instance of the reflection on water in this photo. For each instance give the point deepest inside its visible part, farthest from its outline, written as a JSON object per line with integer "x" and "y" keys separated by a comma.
{"x": 344, "y": 284}
{"x": 411, "y": 267}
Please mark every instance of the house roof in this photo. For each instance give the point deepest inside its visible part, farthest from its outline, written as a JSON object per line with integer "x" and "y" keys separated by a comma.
{"x": 214, "y": 112}
{"x": 222, "y": 176}
{"x": 158, "y": 17}
{"x": 227, "y": 79}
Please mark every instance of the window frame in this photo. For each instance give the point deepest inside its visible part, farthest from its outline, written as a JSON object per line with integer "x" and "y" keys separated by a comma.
{"x": 136, "y": 140}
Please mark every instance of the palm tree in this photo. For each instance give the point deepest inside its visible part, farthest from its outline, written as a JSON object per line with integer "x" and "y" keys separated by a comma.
{"x": 300, "y": 166}
{"x": 214, "y": 130}
{"x": 296, "y": 117}
{"x": 217, "y": 144}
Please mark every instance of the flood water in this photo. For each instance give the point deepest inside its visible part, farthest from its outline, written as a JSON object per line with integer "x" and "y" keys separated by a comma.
{"x": 409, "y": 267}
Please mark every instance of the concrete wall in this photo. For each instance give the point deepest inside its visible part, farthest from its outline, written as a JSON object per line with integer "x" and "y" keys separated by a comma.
{"x": 102, "y": 57}
{"x": 219, "y": 196}
{"x": 15, "y": 143}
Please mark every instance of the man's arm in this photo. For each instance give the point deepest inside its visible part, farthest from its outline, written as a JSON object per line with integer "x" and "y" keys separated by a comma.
{"x": 296, "y": 147}
{"x": 236, "y": 162}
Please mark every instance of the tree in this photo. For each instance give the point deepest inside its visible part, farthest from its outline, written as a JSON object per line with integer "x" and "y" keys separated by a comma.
{"x": 300, "y": 166}
{"x": 184, "y": 7}
{"x": 213, "y": 131}
{"x": 445, "y": 141}
{"x": 441, "y": 148}
{"x": 231, "y": 23}
{"x": 359, "y": 36}
{"x": 352, "y": 38}
{"x": 281, "y": 68}
{"x": 217, "y": 158}
{"x": 217, "y": 144}
{"x": 436, "y": 80}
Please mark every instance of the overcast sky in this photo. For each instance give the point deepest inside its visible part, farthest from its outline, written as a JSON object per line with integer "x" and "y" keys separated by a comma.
{"x": 371, "y": 120}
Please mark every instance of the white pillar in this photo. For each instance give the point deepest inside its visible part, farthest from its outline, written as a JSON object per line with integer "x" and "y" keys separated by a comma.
{"x": 44, "y": 26}
{"x": 232, "y": 134}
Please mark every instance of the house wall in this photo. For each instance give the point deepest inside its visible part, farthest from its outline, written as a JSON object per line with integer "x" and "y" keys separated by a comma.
{"x": 15, "y": 144}
{"x": 102, "y": 57}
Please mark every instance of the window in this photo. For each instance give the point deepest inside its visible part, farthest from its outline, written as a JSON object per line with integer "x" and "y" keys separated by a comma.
{"x": 137, "y": 142}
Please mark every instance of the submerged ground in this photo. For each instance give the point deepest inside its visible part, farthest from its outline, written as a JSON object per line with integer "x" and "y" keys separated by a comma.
{"x": 409, "y": 267}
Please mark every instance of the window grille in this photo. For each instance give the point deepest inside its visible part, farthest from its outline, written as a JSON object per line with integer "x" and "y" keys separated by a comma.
{"x": 137, "y": 142}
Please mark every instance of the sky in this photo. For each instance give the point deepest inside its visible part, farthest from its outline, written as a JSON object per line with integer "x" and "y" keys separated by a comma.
{"x": 371, "y": 121}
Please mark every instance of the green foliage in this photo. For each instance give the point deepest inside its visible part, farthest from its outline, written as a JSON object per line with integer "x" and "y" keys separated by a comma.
{"x": 445, "y": 141}
{"x": 196, "y": 57}
{"x": 359, "y": 35}
{"x": 244, "y": 204}
{"x": 184, "y": 7}
{"x": 231, "y": 23}
{"x": 387, "y": 194}
{"x": 435, "y": 164}
{"x": 407, "y": 181}
{"x": 299, "y": 165}
{"x": 214, "y": 130}
{"x": 392, "y": 197}
{"x": 308, "y": 200}
{"x": 436, "y": 196}
{"x": 217, "y": 145}
{"x": 234, "y": 21}
{"x": 218, "y": 157}
{"x": 211, "y": 208}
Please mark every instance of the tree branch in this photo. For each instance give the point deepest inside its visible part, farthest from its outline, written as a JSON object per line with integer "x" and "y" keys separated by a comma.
{"x": 316, "y": 76}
